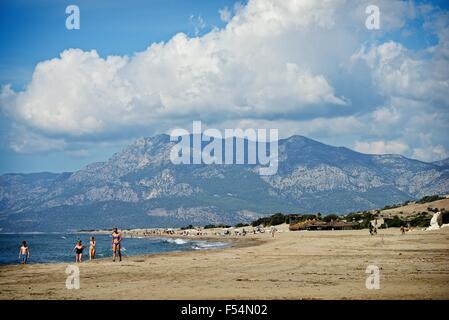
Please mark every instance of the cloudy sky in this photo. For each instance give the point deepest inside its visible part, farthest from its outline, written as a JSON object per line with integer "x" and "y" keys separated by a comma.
{"x": 138, "y": 68}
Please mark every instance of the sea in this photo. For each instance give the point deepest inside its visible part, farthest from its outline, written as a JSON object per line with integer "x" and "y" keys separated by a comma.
{"x": 59, "y": 247}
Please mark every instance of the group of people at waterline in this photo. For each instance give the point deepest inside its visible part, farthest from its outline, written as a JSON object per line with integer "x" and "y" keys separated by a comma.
{"x": 24, "y": 251}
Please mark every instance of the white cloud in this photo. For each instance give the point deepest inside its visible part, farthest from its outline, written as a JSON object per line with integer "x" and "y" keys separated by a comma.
{"x": 26, "y": 141}
{"x": 399, "y": 72}
{"x": 225, "y": 14}
{"x": 386, "y": 115}
{"x": 275, "y": 63}
{"x": 431, "y": 153}
{"x": 380, "y": 147}
{"x": 198, "y": 23}
{"x": 80, "y": 153}
{"x": 240, "y": 70}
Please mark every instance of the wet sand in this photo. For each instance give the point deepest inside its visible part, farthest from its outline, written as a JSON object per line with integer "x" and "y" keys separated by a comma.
{"x": 292, "y": 265}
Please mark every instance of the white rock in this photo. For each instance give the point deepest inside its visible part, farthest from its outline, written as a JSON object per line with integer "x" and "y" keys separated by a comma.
{"x": 436, "y": 221}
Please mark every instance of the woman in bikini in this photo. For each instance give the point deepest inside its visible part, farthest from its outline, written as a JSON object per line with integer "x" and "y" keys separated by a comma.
{"x": 92, "y": 248}
{"x": 79, "y": 251}
{"x": 116, "y": 239}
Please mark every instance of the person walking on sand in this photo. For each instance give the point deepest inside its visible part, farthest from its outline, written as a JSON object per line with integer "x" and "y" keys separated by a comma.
{"x": 116, "y": 240}
{"x": 92, "y": 250}
{"x": 79, "y": 247}
{"x": 273, "y": 231}
{"x": 24, "y": 252}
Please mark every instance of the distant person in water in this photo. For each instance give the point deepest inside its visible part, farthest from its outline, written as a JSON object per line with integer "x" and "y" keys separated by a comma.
{"x": 79, "y": 247}
{"x": 92, "y": 250}
{"x": 116, "y": 239}
{"x": 24, "y": 252}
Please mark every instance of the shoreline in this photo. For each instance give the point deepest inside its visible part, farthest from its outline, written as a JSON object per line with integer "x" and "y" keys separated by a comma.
{"x": 292, "y": 265}
{"x": 230, "y": 243}
{"x": 234, "y": 243}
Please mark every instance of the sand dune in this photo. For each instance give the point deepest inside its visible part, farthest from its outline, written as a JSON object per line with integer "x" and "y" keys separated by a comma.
{"x": 293, "y": 265}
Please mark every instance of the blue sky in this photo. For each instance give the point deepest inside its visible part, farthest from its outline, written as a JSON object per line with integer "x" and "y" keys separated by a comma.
{"x": 270, "y": 66}
{"x": 33, "y": 31}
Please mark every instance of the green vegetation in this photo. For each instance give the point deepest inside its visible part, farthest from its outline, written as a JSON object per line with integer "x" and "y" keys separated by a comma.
{"x": 421, "y": 220}
{"x": 240, "y": 225}
{"x": 212, "y": 226}
{"x": 273, "y": 220}
{"x": 429, "y": 199}
{"x": 445, "y": 216}
{"x": 280, "y": 218}
{"x": 425, "y": 199}
{"x": 396, "y": 222}
{"x": 392, "y": 206}
{"x": 363, "y": 219}
{"x": 330, "y": 217}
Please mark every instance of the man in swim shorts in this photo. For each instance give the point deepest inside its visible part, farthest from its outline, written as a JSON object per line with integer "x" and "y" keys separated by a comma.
{"x": 24, "y": 252}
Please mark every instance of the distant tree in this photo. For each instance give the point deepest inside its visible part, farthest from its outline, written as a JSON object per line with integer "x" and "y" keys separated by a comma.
{"x": 330, "y": 217}
{"x": 395, "y": 222}
{"x": 240, "y": 225}
{"x": 445, "y": 216}
{"x": 430, "y": 199}
{"x": 273, "y": 220}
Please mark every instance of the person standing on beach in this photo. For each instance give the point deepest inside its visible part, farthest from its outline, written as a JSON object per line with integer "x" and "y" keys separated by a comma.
{"x": 92, "y": 248}
{"x": 116, "y": 240}
{"x": 79, "y": 251}
{"x": 24, "y": 252}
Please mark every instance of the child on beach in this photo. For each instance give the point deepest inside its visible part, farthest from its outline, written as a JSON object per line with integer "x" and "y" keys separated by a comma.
{"x": 24, "y": 252}
{"x": 79, "y": 251}
{"x": 92, "y": 248}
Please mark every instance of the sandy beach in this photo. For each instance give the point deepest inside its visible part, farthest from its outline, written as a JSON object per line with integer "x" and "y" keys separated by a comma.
{"x": 292, "y": 265}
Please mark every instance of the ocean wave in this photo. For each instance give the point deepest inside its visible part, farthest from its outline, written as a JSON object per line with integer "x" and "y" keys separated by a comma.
{"x": 204, "y": 245}
{"x": 177, "y": 241}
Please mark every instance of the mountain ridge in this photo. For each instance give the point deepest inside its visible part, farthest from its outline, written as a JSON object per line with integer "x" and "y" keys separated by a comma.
{"x": 139, "y": 186}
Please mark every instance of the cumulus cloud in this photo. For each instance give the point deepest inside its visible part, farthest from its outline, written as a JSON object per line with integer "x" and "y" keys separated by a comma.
{"x": 230, "y": 71}
{"x": 386, "y": 115}
{"x": 398, "y": 72}
{"x": 225, "y": 14}
{"x": 431, "y": 153}
{"x": 308, "y": 67}
{"x": 26, "y": 141}
{"x": 380, "y": 147}
{"x": 198, "y": 23}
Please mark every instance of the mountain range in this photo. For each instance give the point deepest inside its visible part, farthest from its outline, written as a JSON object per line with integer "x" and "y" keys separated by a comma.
{"x": 140, "y": 187}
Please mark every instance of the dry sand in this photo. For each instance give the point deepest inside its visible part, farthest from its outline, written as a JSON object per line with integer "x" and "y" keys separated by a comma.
{"x": 293, "y": 265}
